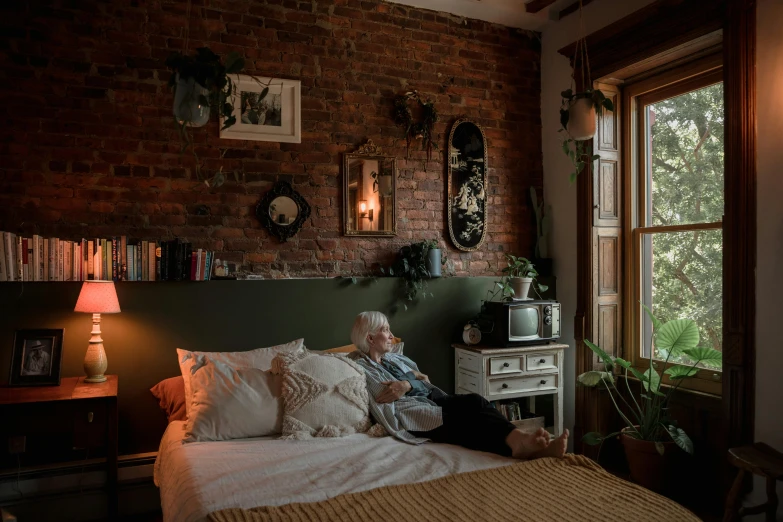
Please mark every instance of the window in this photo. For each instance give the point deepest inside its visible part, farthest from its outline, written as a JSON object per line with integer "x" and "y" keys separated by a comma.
{"x": 677, "y": 211}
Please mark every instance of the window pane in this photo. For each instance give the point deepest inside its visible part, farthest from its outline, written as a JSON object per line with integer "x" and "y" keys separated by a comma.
{"x": 685, "y": 158}
{"x": 681, "y": 279}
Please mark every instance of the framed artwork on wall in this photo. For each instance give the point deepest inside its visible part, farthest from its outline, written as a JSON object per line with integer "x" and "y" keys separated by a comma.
{"x": 467, "y": 185}
{"x": 36, "y": 358}
{"x": 272, "y": 116}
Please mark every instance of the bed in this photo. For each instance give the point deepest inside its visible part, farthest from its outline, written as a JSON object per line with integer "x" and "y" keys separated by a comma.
{"x": 224, "y": 481}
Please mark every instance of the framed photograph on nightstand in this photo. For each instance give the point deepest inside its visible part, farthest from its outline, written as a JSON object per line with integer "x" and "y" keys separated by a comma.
{"x": 36, "y": 358}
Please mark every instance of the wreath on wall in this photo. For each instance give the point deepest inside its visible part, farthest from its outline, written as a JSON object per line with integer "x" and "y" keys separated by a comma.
{"x": 423, "y": 128}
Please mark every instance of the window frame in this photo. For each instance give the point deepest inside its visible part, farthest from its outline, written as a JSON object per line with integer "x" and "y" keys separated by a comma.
{"x": 667, "y": 84}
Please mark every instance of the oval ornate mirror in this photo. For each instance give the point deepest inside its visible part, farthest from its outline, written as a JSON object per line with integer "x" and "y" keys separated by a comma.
{"x": 467, "y": 157}
{"x": 283, "y": 210}
{"x": 369, "y": 193}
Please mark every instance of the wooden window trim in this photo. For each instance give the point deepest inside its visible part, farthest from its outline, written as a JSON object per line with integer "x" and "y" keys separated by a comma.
{"x": 672, "y": 82}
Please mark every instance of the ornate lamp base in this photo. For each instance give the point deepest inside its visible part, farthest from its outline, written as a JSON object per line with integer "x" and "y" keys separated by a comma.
{"x": 95, "y": 363}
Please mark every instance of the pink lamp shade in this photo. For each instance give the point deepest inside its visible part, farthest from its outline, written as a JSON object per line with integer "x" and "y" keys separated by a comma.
{"x": 98, "y": 297}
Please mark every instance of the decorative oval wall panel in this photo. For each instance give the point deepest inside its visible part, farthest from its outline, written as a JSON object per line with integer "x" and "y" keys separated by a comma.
{"x": 467, "y": 182}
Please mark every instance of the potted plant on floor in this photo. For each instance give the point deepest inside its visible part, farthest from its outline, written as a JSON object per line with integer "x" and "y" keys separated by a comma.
{"x": 520, "y": 276}
{"x": 650, "y": 433}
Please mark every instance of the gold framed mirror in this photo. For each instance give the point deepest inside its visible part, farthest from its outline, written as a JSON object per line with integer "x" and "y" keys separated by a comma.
{"x": 369, "y": 192}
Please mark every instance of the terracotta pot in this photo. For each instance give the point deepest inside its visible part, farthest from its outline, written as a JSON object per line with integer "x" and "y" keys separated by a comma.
{"x": 649, "y": 468}
{"x": 521, "y": 286}
{"x": 581, "y": 119}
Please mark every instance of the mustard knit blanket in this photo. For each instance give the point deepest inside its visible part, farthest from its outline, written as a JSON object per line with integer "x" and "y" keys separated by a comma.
{"x": 573, "y": 488}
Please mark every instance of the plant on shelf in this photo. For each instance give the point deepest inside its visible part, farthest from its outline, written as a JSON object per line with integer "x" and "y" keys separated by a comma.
{"x": 411, "y": 266}
{"x": 647, "y": 418}
{"x": 579, "y": 110}
{"x": 202, "y": 86}
{"x": 421, "y": 129}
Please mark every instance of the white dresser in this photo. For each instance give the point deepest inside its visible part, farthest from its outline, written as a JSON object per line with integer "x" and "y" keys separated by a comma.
{"x": 511, "y": 373}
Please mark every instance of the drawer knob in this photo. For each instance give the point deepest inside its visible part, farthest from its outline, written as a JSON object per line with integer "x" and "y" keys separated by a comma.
{"x": 543, "y": 381}
{"x": 90, "y": 416}
{"x": 541, "y": 361}
{"x": 505, "y": 365}
{"x": 504, "y": 385}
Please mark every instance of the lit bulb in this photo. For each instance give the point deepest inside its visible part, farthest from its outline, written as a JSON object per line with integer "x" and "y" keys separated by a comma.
{"x": 363, "y": 207}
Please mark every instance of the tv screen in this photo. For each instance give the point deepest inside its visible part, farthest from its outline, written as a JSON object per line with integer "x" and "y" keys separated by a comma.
{"x": 523, "y": 322}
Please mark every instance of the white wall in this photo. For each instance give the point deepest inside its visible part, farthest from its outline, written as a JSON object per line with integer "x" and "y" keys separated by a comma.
{"x": 769, "y": 275}
{"x": 769, "y": 268}
{"x": 558, "y": 192}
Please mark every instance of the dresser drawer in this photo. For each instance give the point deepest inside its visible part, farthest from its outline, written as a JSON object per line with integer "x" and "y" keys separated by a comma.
{"x": 469, "y": 361}
{"x": 541, "y": 361}
{"x": 501, "y": 365}
{"x": 522, "y": 384}
{"x": 468, "y": 381}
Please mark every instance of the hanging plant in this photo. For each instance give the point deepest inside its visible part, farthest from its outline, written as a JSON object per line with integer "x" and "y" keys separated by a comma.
{"x": 202, "y": 87}
{"x": 423, "y": 128}
{"x": 580, "y": 110}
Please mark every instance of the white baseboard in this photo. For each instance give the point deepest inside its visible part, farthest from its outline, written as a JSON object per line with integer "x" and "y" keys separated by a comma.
{"x": 75, "y": 491}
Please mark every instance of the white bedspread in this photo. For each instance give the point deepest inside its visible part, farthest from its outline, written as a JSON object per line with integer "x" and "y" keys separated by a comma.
{"x": 198, "y": 478}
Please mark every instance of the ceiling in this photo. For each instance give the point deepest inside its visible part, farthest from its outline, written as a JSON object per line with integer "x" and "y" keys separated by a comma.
{"x": 510, "y": 13}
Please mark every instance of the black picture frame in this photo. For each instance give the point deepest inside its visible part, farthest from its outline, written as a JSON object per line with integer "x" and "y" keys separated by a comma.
{"x": 282, "y": 231}
{"x": 467, "y": 185}
{"x": 36, "y": 358}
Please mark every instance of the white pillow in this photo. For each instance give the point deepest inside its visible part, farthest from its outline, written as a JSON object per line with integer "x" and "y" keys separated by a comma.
{"x": 260, "y": 358}
{"x": 323, "y": 395}
{"x": 233, "y": 403}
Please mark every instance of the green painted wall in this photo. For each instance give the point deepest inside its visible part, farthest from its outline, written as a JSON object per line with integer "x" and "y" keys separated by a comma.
{"x": 158, "y": 317}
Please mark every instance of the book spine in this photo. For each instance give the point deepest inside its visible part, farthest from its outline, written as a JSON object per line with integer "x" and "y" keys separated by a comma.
{"x": 85, "y": 259}
{"x": 67, "y": 260}
{"x": 188, "y": 275}
{"x": 127, "y": 274}
{"x": 151, "y": 259}
{"x": 77, "y": 260}
{"x": 41, "y": 259}
{"x": 123, "y": 258}
{"x": 137, "y": 250}
{"x": 10, "y": 255}
{"x": 26, "y": 254}
{"x": 19, "y": 259}
{"x": 178, "y": 260}
{"x": 114, "y": 259}
{"x": 3, "y": 272}
{"x": 144, "y": 262}
{"x": 198, "y": 265}
{"x": 91, "y": 260}
{"x": 98, "y": 260}
{"x": 157, "y": 261}
{"x": 208, "y": 268}
{"x": 35, "y": 258}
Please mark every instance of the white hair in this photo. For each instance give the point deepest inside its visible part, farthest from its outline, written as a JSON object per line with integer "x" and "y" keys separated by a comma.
{"x": 366, "y": 323}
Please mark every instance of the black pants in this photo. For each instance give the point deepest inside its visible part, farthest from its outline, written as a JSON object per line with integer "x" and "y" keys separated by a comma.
{"x": 470, "y": 421}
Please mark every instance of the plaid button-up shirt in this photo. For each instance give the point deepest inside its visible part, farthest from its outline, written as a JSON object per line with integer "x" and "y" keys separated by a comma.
{"x": 406, "y": 414}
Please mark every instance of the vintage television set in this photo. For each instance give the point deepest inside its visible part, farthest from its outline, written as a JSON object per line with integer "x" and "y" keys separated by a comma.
{"x": 519, "y": 323}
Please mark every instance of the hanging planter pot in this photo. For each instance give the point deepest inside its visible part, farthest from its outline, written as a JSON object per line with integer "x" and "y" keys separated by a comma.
{"x": 581, "y": 119}
{"x": 434, "y": 262}
{"x": 189, "y": 108}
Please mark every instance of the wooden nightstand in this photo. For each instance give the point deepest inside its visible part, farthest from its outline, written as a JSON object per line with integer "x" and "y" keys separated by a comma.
{"x": 511, "y": 373}
{"x": 86, "y": 412}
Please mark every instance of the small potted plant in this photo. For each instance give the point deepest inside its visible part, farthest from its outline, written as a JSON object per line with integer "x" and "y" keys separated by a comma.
{"x": 578, "y": 115}
{"x": 650, "y": 434}
{"x": 520, "y": 276}
{"x": 435, "y": 258}
{"x": 412, "y": 265}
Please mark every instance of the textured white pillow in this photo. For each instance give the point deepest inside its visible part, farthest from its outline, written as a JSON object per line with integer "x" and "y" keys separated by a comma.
{"x": 233, "y": 403}
{"x": 260, "y": 358}
{"x": 323, "y": 395}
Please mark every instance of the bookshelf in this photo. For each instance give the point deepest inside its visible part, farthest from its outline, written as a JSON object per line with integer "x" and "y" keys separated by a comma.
{"x": 39, "y": 258}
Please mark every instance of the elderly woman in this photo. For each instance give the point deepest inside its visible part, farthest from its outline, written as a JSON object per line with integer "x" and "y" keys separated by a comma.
{"x": 413, "y": 410}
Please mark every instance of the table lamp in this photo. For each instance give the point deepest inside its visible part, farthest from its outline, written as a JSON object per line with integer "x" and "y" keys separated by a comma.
{"x": 96, "y": 298}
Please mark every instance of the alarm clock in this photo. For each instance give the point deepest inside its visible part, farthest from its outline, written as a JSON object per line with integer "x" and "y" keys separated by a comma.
{"x": 471, "y": 334}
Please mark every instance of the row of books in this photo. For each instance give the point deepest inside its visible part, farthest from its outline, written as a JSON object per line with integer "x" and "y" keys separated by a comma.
{"x": 510, "y": 410}
{"x": 39, "y": 258}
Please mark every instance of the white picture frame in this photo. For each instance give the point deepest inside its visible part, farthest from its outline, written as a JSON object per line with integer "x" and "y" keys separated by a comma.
{"x": 280, "y": 117}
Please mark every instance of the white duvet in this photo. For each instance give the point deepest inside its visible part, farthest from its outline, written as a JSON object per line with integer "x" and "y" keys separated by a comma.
{"x": 198, "y": 478}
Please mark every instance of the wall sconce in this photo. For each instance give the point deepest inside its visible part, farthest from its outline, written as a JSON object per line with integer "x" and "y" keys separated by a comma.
{"x": 363, "y": 208}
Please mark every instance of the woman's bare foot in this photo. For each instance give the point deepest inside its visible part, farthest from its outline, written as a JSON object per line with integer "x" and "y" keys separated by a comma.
{"x": 556, "y": 448}
{"x": 523, "y": 444}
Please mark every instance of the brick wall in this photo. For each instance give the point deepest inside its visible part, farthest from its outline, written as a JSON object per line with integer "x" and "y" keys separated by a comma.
{"x": 89, "y": 147}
